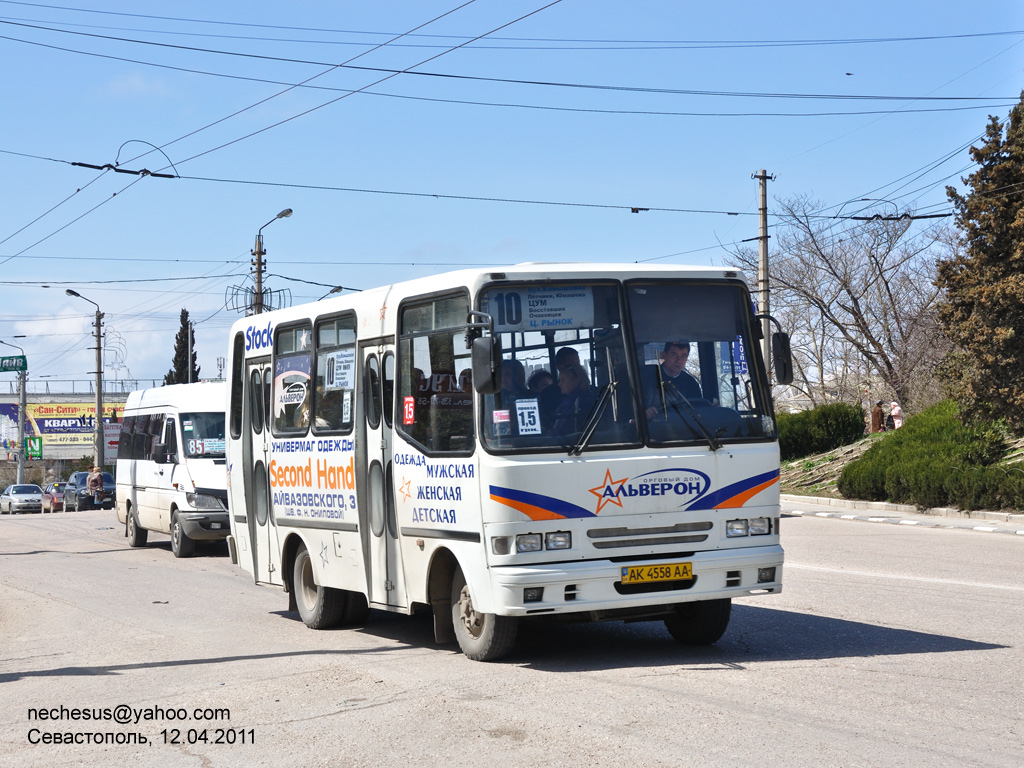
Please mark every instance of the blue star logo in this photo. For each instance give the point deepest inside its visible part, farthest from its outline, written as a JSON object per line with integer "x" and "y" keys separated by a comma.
{"x": 323, "y": 553}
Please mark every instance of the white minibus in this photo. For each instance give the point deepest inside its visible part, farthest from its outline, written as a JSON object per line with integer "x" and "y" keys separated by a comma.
{"x": 171, "y": 467}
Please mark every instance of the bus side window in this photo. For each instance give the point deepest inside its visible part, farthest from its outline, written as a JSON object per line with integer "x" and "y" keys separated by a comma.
{"x": 334, "y": 377}
{"x": 435, "y": 403}
{"x": 292, "y": 395}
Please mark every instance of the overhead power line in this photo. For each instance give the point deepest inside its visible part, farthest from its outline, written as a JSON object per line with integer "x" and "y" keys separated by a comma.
{"x": 589, "y": 42}
{"x": 514, "y": 81}
{"x": 507, "y": 105}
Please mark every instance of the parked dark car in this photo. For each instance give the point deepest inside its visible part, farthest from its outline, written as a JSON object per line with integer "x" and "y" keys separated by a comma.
{"x": 76, "y": 492}
{"x": 53, "y": 497}
{"x": 24, "y": 497}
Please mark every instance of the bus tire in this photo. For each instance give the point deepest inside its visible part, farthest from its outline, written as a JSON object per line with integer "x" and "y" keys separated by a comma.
{"x": 136, "y": 536}
{"x": 481, "y": 636}
{"x": 699, "y": 623}
{"x": 320, "y": 607}
{"x": 357, "y": 610}
{"x": 181, "y": 545}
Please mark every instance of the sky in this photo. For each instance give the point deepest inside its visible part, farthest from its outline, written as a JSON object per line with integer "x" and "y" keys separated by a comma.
{"x": 410, "y": 138}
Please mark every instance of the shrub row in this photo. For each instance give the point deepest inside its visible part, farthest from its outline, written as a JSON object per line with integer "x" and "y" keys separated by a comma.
{"x": 937, "y": 461}
{"x": 823, "y": 429}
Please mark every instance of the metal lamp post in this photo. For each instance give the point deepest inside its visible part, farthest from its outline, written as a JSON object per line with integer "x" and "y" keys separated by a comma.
{"x": 98, "y": 447}
{"x": 22, "y": 377}
{"x": 259, "y": 253}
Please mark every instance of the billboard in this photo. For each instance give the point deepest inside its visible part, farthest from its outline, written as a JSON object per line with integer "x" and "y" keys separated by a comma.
{"x": 60, "y": 425}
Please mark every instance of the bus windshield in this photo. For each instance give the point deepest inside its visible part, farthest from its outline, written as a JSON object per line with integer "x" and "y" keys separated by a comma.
{"x": 203, "y": 434}
{"x": 574, "y": 378}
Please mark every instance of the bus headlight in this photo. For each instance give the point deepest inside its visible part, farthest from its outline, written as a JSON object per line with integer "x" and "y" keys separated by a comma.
{"x": 528, "y": 542}
{"x": 558, "y": 540}
{"x": 735, "y": 528}
{"x": 760, "y": 526}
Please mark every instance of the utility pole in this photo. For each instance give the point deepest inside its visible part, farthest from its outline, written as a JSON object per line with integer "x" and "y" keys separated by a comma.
{"x": 764, "y": 306}
{"x": 22, "y": 411}
{"x": 100, "y": 440}
{"x": 258, "y": 267}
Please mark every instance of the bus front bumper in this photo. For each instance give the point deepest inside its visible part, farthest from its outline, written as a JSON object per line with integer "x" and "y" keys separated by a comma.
{"x": 596, "y": 586}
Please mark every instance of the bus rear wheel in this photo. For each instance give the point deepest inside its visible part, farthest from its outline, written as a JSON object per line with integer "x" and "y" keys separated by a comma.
{"x": 699, "y": 623}
{"x": 481, "y": 636}
{"x": 320, "y": 607}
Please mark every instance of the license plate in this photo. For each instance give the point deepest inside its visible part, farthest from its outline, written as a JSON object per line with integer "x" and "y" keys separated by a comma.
{"x": 215, "y": 525}
{"x": 645, "y": 574}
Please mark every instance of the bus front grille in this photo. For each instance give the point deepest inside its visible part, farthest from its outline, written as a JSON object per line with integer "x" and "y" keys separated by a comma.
{"x": 681, "y": 533}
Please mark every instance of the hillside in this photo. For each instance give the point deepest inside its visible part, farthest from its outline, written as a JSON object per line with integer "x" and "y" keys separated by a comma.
{"x": 817, "y": 475}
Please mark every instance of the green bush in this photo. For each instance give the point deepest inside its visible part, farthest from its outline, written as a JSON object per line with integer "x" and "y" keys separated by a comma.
{"x": 935, "y": 460}
{"x": 824, "y": 428}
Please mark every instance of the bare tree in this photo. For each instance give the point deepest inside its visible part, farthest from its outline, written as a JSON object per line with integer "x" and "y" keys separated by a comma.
{"x": 859, "y": 298}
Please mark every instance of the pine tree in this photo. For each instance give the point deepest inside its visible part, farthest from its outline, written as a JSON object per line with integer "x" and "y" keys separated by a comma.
{"x": 983, "y": 312}
{"x": 180, "y": 365}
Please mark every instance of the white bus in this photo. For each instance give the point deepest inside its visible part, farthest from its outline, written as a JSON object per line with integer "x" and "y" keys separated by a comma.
{"x": 385, "y": 450}
{"x": 171, "y": 468}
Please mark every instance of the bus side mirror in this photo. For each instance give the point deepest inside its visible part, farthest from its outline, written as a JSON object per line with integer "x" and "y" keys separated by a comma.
{"x": 486, "y": 365}
{"x": 782, "y": 358}
{"x": 160, "y": 453}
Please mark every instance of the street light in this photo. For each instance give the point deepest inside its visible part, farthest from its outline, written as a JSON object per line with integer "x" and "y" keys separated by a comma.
{"x": 98, "y": 447}
{"x": 22, "y": 376}
{"x": 259, "y": 253}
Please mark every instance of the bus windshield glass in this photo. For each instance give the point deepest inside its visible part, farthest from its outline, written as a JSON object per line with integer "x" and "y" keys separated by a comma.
{"x": 564, "y": 372}
{"x": 573, "y": 378}
{"x": 203, "y": 435}
{"x": 694, "y": 352}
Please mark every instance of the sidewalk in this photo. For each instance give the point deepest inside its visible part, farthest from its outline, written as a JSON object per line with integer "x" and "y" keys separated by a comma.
{"x": 903, "y": 514}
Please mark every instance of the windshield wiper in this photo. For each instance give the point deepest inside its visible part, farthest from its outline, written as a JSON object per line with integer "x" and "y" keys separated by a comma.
{"x": 668, "y": 386}
{"x": 607, "y": 396}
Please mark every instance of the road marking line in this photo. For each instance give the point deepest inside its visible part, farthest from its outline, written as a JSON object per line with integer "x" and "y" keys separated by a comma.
{"x": 902, "y": 578}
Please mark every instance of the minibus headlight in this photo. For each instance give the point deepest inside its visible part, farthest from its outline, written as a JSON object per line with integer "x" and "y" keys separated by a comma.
{"x": 734, "y": 528}
{"x": 528, "y": 542}
{"x": 203, "y": 501}
{"x": 760, "y": 526}
{"x": 558, "y": 540}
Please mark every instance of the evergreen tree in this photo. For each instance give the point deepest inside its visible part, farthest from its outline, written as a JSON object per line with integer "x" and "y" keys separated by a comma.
{"x": 983, "y": 280}
{"x": 180, "y": 365}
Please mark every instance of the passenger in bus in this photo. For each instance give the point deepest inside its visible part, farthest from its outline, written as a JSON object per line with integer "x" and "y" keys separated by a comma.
{"x": 513, "y": 382}
{"x": 577, "y": 399}
{"x": 539, "y": 380}
{"x": 551, "y": 397}
{"x": 673, "y": 376}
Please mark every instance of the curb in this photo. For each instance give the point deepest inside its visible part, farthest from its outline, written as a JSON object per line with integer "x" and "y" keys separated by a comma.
{"x": 876, "y": 507}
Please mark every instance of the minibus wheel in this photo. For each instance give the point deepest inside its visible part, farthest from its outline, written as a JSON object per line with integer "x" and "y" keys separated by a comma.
{"x": 699, "y": 623}
{"x": 136, "y": 536}
{"x": 320, "y": 607}
{"x": 181, "y": 545}
{"x": 481, "y": 636}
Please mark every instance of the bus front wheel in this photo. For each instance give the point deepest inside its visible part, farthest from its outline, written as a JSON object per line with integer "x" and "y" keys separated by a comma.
{"x": 481, "y": 636}
{"x": 699, "y": 623}
{"x": 320, "y": 607}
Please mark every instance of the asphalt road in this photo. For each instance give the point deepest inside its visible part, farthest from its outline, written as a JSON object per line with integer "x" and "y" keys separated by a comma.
{"x": 889, "y": 646}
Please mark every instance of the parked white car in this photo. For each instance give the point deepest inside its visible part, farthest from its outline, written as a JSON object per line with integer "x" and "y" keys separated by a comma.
{"x": 24, "y": 497}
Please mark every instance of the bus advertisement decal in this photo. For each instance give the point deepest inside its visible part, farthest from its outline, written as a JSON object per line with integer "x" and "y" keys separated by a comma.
{"x": 536, "y": 506}
{"x": 737, "y": 494}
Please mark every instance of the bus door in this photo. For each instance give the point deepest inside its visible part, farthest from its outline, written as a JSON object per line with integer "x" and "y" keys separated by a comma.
{"x": 266, "y": 559}
{"x": 375, "y": 477}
